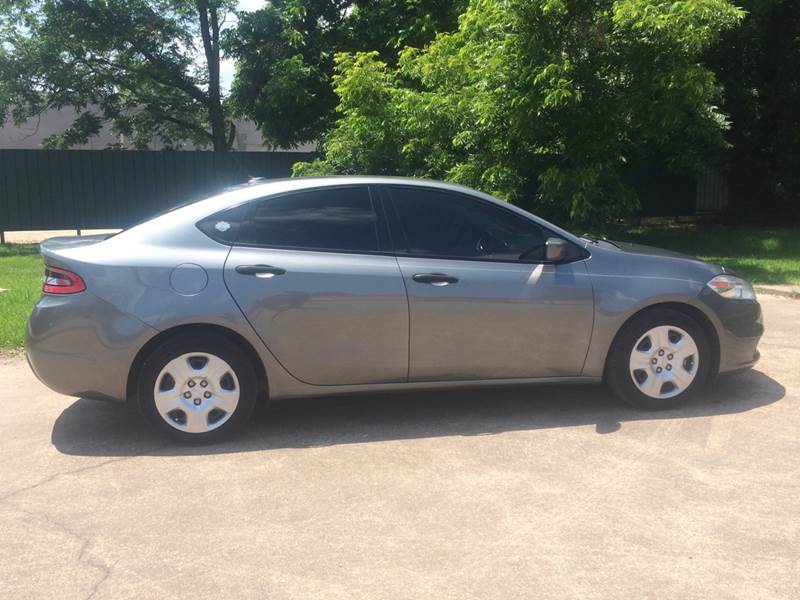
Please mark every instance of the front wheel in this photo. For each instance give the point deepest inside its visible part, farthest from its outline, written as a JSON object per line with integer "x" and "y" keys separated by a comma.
{"x": 197, "y": 388}
{"x": 659, "y": 359}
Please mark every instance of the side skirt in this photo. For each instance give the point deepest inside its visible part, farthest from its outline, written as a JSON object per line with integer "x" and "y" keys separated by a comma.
{"x": 302, "y": 391}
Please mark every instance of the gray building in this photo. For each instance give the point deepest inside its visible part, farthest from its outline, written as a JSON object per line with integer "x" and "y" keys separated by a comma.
{"x": 30, "y": 134}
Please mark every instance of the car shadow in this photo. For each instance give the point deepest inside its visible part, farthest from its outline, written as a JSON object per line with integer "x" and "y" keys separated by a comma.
{"x": 91, "y": 428}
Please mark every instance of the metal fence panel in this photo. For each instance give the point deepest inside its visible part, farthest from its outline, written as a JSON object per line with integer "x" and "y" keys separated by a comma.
{"x": 664, "y": 193}
{"x": 712, "y": 192}
{"x": 106, "y": 189}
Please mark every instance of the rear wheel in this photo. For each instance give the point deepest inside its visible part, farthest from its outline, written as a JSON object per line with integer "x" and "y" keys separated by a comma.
{"x": 659, "y": 359}
{"x": 197, "y": 388}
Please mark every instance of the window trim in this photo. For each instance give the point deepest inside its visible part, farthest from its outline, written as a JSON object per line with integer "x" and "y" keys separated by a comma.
{"x": 396, "y": 228}
{"x": 382, "y": 236}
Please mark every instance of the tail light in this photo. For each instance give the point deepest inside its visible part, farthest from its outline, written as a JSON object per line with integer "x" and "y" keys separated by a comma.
{"x": 61, "y": 281}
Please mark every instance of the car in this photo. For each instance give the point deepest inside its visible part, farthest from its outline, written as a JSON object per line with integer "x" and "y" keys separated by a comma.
{"x": 323, "y": 286}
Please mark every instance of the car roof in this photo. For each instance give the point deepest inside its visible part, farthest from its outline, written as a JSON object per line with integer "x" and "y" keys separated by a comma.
{"x": 256, "y": 189}
{"x": 265, "y": 187}
{"x": 261, "y": 189}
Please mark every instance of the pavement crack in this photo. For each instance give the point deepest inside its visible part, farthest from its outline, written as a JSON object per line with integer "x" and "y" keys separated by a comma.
{"x": 78, "y": 471}
{"x": 84, "y": 556}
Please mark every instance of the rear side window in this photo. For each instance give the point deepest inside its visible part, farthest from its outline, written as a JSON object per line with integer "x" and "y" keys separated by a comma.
{"x": 223, "y": 227}
{"x": 336, "y": 219}
{"x": 449, "y": 225}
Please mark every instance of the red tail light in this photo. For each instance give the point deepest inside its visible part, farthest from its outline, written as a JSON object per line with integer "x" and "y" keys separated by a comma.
{"x": 61, "y": 281}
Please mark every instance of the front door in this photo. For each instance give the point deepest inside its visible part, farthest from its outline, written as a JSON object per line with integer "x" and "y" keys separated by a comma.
{"x": 307, "y": 274}
{"x": 482, "y": 303}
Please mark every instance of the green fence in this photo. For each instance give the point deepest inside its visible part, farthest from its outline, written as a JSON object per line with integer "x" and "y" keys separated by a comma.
{"x": 105, "y": 189}
{"x": 663, "y": 193}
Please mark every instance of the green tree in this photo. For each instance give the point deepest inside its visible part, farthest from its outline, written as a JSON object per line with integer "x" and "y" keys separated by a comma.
{"x": 758, "y": 66}
{"x": 285, "y": 55}
{"x": 149, "y": 67}
{"x": 547, "y": 98}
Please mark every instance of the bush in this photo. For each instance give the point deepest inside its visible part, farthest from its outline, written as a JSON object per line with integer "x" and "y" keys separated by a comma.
{"x": 537, "y": 98}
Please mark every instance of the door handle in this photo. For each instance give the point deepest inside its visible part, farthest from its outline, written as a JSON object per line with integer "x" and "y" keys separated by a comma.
{"x": 438, "y": 279}
{"x": 262, "y": 271}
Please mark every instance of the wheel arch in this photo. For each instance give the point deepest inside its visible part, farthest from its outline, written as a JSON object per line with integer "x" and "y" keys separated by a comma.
{"x": 689, "y": 310}
{"x": 161, "y": 337}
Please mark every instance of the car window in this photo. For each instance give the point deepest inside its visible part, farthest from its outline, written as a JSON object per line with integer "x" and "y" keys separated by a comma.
{"x": 336, "y": 219}
{"x": 224, "y": 226}
{"x": 450, "y": 225}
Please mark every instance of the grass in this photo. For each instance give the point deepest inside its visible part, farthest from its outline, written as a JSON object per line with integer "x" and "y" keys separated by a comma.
{"x": 21, "y": 271}
{"x": 766, "y": 256}
{"x": 763, "y": 255}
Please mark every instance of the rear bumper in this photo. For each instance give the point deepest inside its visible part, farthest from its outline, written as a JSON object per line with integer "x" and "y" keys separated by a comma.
{"x": 741, "y": 329}
{"x": 80, "y": 345}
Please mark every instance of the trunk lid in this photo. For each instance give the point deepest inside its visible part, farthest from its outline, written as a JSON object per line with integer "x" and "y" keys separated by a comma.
{"x": 58, "y": 251}
{"x": 53, "y": 249}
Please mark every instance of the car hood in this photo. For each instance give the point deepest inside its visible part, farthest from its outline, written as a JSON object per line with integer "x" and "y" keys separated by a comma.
{"x": 649, "y": 250}
{"x": 645, "y": 250}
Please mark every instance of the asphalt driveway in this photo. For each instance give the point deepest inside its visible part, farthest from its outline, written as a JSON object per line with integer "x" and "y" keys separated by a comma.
{"x": 537, "y": 492}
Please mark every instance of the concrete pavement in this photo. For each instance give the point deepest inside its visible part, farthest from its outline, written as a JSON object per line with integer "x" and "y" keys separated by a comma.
{"x": 787, "y": 291}
{"x": 537, "y": 492}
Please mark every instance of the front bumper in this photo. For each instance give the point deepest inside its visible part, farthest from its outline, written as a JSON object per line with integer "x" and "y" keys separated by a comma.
{"x": 80, "y": 345}
{"x": 740, "y": 329}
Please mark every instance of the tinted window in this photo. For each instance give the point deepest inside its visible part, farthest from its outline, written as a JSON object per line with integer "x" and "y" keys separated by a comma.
{"x": 456, "y": 226}
{"x": 224, "y": 226}
{"x": 331, "y": 219}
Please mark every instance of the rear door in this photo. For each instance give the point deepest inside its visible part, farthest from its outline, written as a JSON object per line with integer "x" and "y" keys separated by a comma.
{"x": 309, "y": 273}
{"x": 482, "y": 303}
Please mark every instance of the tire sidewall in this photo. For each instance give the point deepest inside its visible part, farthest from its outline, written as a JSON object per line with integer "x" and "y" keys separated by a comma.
{"x": 618, "y": 370}
{"x": 210, "y": 344}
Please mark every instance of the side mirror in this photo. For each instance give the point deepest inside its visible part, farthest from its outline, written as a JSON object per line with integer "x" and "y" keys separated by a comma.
{"x": 555, "y": 250}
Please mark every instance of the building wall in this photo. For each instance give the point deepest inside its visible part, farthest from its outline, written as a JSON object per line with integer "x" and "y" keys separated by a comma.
{"x": 30, "y": 134}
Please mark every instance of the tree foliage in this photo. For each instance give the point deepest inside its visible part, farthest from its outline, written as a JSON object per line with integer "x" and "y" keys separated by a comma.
{"x": 285, "y": 55}
{"x": 758, "y": 65}
{"x": 149, "y": 67}
{"x": 551, "y": 98}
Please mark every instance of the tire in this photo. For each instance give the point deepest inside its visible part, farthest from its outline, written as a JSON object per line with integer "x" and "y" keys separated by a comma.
{"x": 659, "y": 359}
{"x": 206, "y": 387}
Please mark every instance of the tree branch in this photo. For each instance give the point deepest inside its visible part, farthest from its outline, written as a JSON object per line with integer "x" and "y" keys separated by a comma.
{"x": 123, "y": 83}
{"x": 169, "y": 76}
{"x": 188, "y": 125}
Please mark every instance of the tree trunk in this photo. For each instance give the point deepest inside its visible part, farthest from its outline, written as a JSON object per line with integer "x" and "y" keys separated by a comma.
{"x": 209, "y": 30}
{"x": 218, "y": 127}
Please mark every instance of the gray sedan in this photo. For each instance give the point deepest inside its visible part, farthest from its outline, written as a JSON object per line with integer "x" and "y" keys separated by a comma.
{"x": 306, "y": 287}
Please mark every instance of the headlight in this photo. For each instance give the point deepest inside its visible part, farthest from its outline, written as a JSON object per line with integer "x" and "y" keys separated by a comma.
{"x": 729, "y": 286}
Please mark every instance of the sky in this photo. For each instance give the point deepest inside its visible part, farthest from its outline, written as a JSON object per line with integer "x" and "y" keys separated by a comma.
{"x": 251, "y": 4}
{"x": 226, "y": 66}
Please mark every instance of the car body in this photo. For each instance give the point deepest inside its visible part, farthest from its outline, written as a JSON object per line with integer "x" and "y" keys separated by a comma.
{"x": 346, "y": 284}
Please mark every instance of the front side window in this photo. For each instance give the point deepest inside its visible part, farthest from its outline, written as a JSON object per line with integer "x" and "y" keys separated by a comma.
{"x": 449, "y": 225}
{"x": 336, "y": 219}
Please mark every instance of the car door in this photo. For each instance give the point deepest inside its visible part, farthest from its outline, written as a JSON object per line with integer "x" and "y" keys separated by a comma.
{"x": 482, "y": 302}
{"x": 309, "y": 274}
